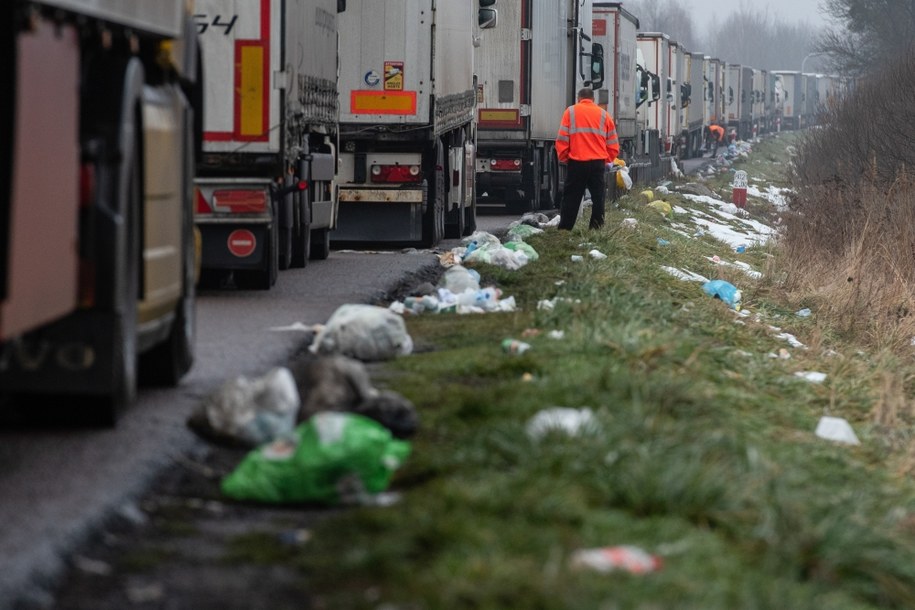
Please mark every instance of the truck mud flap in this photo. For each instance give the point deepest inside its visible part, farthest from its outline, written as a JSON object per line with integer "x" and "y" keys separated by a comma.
{"x": 234, "y": 246}
{"x": 364, "y": 217}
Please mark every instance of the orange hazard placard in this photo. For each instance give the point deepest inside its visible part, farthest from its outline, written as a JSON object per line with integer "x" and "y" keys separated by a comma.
{"x": 393, "y": 76}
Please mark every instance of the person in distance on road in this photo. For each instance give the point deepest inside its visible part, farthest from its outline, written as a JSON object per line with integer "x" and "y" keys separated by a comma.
{"x": 715, "y": 137}
{"x": 587, "y": 142}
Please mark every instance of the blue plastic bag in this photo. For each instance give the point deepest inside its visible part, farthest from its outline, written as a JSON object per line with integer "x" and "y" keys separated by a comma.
{"x": 725, "y": 291}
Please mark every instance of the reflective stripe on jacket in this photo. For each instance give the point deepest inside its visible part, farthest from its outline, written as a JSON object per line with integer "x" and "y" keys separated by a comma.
{"x": 587, "y": 133}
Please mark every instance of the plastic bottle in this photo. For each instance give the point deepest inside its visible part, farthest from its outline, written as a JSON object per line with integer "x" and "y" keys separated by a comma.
{"x": 470, "y": 248}
{"x": 515, "y": 347}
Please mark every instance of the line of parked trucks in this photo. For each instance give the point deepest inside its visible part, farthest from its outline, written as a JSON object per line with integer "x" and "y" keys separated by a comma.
{"x": 154, "y": 146}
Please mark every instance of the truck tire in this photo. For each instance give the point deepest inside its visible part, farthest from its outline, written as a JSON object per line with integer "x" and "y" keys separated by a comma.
{"x": 434, "y": 218}
{"x": 301, "y": 237}
{"x": 286, "y": 249}
{"x": 550, "y": 196}
{"x": 123, "y": 391}
{"x": 167, "y": 363}
{"x": 320, "y": 244}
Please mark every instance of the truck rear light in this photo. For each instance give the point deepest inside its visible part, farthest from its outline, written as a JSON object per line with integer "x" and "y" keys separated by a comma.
{"x": 202, "y": 206}
{"x": 239, "y": 201}
{"x": 86, "y": 185}
{"x": 86, "y": 290}
{"x": 396, "y": 173}
{"x": 505, "y": 165}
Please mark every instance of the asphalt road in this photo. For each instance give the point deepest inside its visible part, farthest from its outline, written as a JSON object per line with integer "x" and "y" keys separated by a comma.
{"x": 58, "y": 483}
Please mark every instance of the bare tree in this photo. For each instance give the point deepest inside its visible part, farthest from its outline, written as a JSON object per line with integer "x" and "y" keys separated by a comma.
{"x": 748, "y": 37}
{"x": 867, "y": 33}
{"x": 669, "y": 17}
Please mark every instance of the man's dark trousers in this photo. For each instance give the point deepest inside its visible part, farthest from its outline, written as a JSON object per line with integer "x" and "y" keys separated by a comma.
{"x": 582, "y": 175}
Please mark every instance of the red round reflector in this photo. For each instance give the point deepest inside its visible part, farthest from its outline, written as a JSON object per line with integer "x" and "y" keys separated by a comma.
{"x": 241, "y": 243}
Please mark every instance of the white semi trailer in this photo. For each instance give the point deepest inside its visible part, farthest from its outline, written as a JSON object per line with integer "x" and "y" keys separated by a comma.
{"x": 529, "y": 69}
{"x": 407, "y": 125}
{"x": 265, "y": 197}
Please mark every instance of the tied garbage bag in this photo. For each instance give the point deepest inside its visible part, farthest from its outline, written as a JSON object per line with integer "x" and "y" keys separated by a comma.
{"x": 725, "y": 291}
{"x": 520, "y": 246}
{"x": 661, "y": 206}
{"x": 364, "y": 332}
{"x": 333, "y": 458}
{"x": 246, "y": 412}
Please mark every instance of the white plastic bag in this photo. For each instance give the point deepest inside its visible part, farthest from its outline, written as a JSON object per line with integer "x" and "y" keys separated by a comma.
{"x": 836, "y": 429}
{"x": 250, "y": 412}
{"x": 363, "y": 332}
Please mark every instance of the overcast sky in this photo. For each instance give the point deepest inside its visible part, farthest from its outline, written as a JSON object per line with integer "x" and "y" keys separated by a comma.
{"x": 786, "y": 10}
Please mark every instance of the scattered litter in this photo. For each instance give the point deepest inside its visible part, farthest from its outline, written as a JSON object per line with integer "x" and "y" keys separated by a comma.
{"x": 333, "y": 458}
{"x": 647, "y": 195}
{"x": 550, "y": 304}
{"x": 803, "y": 313}
{"x": 597, "y": 255}
{"x": 629, "y": 223}
{"x": 725, "y": 291}
{"x": 624, "y": 558}
{"x": 246, "y": 412}
{"x": 836, "y": 429}
{"x": 364, "y": 332}
{"x": 577, "y": 258}
{"x": 791, "y": 339}
{"x": 740, "y": 249}
{"x": 716, "y": 259}
{"x": 527, "y": 377}
{"x": 661, "y": 206}
{"x": 663, "y": 242}
{"x": 145, "y": 593}
{"x": 96, "y": 567}
{"x": 811, "y": 376}
{"x": 528, "y": 333}
{"x": 556, "y": 334}
{"x": 515, "y": 347}
{"x": 782, "y": 354}
{"x": 295, "y": 326}
{"x": 296, "y": 537}
{"x": 685, "y": 275}
{"x": 561, "y": 419}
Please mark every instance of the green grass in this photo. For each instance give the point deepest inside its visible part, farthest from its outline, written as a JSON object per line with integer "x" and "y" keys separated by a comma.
{"x": 705, "y": 452}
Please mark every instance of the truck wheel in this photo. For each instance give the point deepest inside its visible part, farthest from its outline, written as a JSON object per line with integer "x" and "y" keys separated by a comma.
{"x": 320, "y": 244}
{"x": 167, "y": 363}
{"x": 454, "y": 223}
{"x": 286, "y": 249}
{"x": 550, "y": 196}
{"x": 470, "y": 218}
{"x": 124, "y": 340}
{"x": 434, "y": 218}
{"x": 302, "y": 243}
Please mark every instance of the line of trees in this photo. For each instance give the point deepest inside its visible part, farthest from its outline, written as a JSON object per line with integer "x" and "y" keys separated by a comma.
{"x": 750, "y": 37}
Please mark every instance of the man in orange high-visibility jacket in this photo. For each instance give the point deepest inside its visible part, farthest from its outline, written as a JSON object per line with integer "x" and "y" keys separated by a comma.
{"x": 587, "y": 141}
{"x": 716, "y": 137}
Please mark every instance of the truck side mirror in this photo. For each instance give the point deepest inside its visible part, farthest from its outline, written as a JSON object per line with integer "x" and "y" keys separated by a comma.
{"x": 655, "y": 87}
{"x": 487, "y": 17}
{"x": 644, "y": 80}
{"x": 597, "y": 65}
{"x": 686, "y": 90}
{"x": 341, "y": 6}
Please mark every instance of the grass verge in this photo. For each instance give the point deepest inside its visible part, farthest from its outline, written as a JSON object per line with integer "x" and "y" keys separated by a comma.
{"x": 704, "y": 453}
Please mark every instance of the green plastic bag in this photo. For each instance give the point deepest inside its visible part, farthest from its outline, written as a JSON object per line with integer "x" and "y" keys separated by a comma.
{"x": 525, "y": 247}
{"x": 334, "y": 458}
